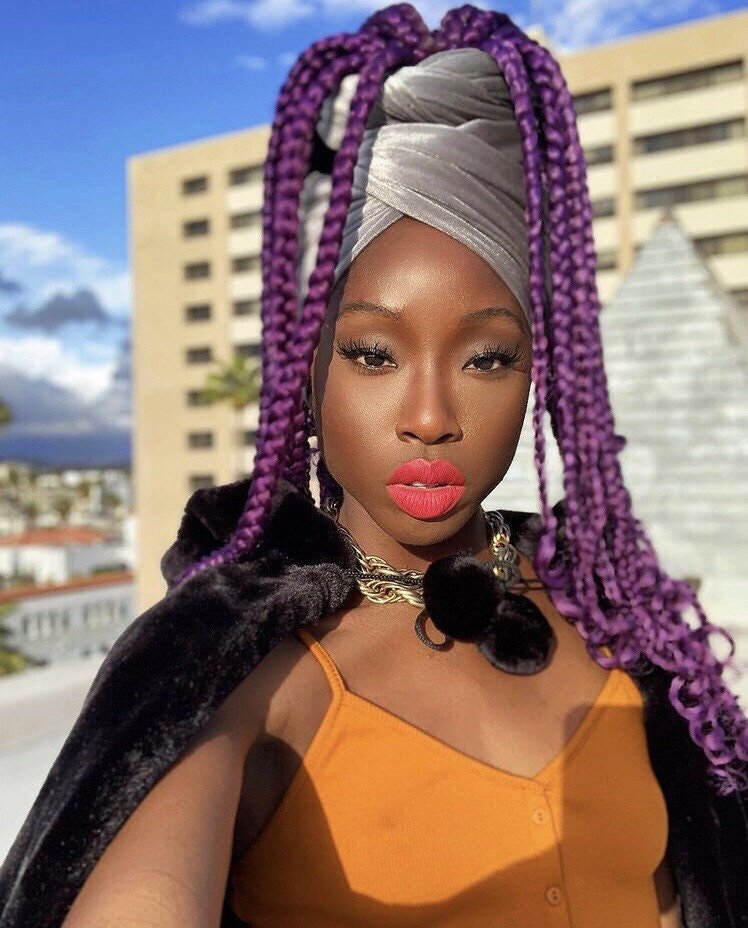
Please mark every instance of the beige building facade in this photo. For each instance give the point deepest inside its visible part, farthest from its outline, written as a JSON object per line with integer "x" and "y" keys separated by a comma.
{"x": 662, "y": 117}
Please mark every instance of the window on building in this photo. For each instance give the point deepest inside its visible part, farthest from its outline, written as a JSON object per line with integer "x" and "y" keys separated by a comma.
{"x": 197, "y": 312}
{"x": 192, "y": 185}
{"x": 594, "y": 101}
{"x": 694, "y": 135}
{"x": 248, "y": 174}
{"x": 718, "y": 189}
{"x": 247, "y": 307}
{"x": 248, "y": 350}
{"x": 248, "y": 437}
{"x": 604, "y": 207}
{"x": 245, "y": 263}
{"x": 196, "y": 398}
{"x": 200, "y": 440}
{"x": 246, "y": 220}
{"x": 681, "y": 81}
{"x": 195, "y": 227}
{"x": 598, "y": 154}
{"x": 196, "y": 481}
{"x": 197, "y": 270}
{"x": 729, "y": 244}
{"x": 199, "y": 355}
{"x": 740, "y": 296}
{"x": 607, "y": 260}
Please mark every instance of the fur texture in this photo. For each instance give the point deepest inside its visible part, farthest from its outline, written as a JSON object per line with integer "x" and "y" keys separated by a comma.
{"x": 177, "y": 662}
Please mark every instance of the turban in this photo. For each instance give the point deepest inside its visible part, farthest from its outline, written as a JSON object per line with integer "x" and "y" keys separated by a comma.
{"x": 441, "y": 145}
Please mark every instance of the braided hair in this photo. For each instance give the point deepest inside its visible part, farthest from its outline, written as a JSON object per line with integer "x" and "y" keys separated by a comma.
{"x": 608, "y": 581}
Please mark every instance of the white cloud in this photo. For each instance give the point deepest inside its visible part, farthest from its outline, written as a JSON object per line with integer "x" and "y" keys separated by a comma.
{"x": 568, "y": 24}
{"x": 251, "y": 62}
{"x": 274, "y": 14}
{"x": 574, "y": 24}
{"x": 24, "y": 245}
{"x": 40, "y": 356}
{"x": 46, "y": 264}
{"x": 259, "y": 14}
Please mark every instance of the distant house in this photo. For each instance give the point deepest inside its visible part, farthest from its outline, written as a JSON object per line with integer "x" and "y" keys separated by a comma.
{"x": 68, "y": 620}
{"x": 54, "y": 555}
{"x": 676, "y": 355}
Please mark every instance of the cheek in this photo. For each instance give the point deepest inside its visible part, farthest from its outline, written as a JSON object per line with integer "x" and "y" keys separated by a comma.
{"x": 350, "y": 419}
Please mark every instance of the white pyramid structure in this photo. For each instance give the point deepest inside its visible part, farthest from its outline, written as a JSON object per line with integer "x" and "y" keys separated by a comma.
{"x": 676, "y": 356}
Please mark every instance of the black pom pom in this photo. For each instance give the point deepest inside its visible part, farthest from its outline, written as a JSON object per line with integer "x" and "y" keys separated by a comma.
{"x": 461, "y": 595}
{"x": 519, "y": 640}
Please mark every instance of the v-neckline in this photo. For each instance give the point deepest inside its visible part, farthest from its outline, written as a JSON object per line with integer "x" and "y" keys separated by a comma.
{"x": 540, "y": 780}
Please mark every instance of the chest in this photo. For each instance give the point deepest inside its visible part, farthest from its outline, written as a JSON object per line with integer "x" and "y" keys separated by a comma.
{"x": 456, "y": 699}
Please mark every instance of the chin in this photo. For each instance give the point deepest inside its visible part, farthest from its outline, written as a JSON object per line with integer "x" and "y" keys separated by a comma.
{"x": 409, "y": 530}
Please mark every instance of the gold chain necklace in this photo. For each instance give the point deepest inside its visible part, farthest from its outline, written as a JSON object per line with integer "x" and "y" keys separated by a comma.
{"x": 382, "y": 583}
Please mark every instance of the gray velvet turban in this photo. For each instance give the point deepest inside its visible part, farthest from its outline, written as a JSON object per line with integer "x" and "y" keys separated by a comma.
{"x": 441, "y": 145}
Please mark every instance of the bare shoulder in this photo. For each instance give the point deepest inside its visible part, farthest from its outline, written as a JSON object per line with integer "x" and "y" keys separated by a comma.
{"x": 263, "y": 701}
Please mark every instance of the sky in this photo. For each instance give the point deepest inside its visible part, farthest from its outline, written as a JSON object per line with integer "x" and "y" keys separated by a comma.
{"x": 86, "y": 84}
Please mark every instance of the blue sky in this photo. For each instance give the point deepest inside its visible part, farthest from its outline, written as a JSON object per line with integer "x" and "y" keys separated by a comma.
{"x": 88, "y": 83}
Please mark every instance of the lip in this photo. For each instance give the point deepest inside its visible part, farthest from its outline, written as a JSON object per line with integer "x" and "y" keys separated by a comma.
{"x": 426, "y": 502}
{"x": 423, "y": 471}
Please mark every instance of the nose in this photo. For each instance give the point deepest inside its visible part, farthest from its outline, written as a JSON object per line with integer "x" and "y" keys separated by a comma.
{"x": 427, "y": 413}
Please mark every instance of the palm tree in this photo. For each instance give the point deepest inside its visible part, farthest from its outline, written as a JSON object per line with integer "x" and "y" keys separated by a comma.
{"x": 237, "y": 382}
{"x": 62, "y": 506}
{"x": 6, "y": 415}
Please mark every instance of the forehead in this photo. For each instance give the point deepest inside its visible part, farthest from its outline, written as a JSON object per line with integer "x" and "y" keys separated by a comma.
{"x": 420, "y": 271}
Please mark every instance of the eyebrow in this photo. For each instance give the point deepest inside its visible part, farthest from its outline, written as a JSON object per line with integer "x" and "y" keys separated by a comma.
{"x": 469, "y": 318}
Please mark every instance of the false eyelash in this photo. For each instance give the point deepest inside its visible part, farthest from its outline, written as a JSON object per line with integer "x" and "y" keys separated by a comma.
{"x": 354, "y": 348}
{"x": 506, "y": 355}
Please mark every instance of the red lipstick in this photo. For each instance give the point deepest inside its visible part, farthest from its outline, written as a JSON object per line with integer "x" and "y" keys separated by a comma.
{"x": 443, "y": 486}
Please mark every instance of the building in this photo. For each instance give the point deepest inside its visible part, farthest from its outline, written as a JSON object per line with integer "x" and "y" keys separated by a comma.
{"x": 662, "y": 118}
{"x": 68, "y": 620}
{"x": 55, "y": 555}
{"x": 676, "y": 354}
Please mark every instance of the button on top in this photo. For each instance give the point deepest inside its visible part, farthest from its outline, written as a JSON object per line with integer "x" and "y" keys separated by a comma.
{"x": 553, "y": 895}
{"x": 539, "y": 816}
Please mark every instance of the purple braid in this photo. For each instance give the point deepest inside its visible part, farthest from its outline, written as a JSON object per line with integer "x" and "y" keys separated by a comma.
{"x": 609, "y": 582}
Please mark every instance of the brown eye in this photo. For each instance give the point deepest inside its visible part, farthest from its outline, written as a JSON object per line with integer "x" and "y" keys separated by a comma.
{"x": 506, "y": 357}
{"x": 374, "y": 356}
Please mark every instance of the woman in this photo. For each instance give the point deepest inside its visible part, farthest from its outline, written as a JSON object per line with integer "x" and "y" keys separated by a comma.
{"x": 506, "y": 688}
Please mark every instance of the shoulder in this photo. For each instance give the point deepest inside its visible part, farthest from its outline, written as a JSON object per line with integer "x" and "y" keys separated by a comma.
{"x": 268, "y": 700}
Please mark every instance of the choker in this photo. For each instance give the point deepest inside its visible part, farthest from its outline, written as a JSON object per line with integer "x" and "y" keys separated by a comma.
{"x": 467, "y": 599}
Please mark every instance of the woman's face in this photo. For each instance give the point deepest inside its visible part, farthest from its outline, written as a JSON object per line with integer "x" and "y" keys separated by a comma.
{"x": 420, "y": 381}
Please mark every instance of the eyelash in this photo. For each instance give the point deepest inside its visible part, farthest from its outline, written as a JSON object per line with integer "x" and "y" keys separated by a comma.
{"x": 354, "y": 348}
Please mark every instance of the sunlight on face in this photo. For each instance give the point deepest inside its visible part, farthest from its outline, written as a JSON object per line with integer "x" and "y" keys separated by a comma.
{"x": 425, "y": 353}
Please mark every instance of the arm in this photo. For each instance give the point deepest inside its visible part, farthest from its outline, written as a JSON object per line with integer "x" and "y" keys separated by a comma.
{"x": 168, "y": 864}
{"x": 667, "y": 898}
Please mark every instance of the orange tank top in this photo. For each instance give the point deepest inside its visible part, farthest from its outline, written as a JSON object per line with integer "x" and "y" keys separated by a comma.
{"x": 386, "y": 826}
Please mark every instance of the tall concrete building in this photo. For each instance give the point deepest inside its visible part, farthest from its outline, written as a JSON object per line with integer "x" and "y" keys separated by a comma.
{"x": 662, "y": 117}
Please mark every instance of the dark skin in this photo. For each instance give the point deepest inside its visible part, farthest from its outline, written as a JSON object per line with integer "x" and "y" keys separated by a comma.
{"x": 421, "y": 381}
{"x": 432, "y": 385}
{"x": 433, "y": 399}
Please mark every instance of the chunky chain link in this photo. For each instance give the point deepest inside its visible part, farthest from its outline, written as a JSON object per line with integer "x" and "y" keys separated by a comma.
{"x": 382, "y": 583}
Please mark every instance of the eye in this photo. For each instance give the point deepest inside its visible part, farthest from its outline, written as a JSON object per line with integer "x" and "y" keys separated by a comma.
{"x": 507, "y": 356}
{"x": 373, "y": 356}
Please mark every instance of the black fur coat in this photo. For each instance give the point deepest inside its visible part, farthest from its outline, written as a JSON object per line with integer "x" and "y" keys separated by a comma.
{"x": 177, "y": 662}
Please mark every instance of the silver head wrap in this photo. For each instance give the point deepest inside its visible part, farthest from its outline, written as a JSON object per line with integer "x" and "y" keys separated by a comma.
{"x": 441, "y": 145}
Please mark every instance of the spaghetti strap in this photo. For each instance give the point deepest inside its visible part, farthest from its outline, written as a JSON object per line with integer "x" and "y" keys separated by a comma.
{"x": 328, "y": 665}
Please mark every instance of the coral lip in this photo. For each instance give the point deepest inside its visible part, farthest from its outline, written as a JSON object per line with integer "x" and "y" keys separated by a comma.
{"x": 430, "y": 472}
{"x": 425, "y": 502}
